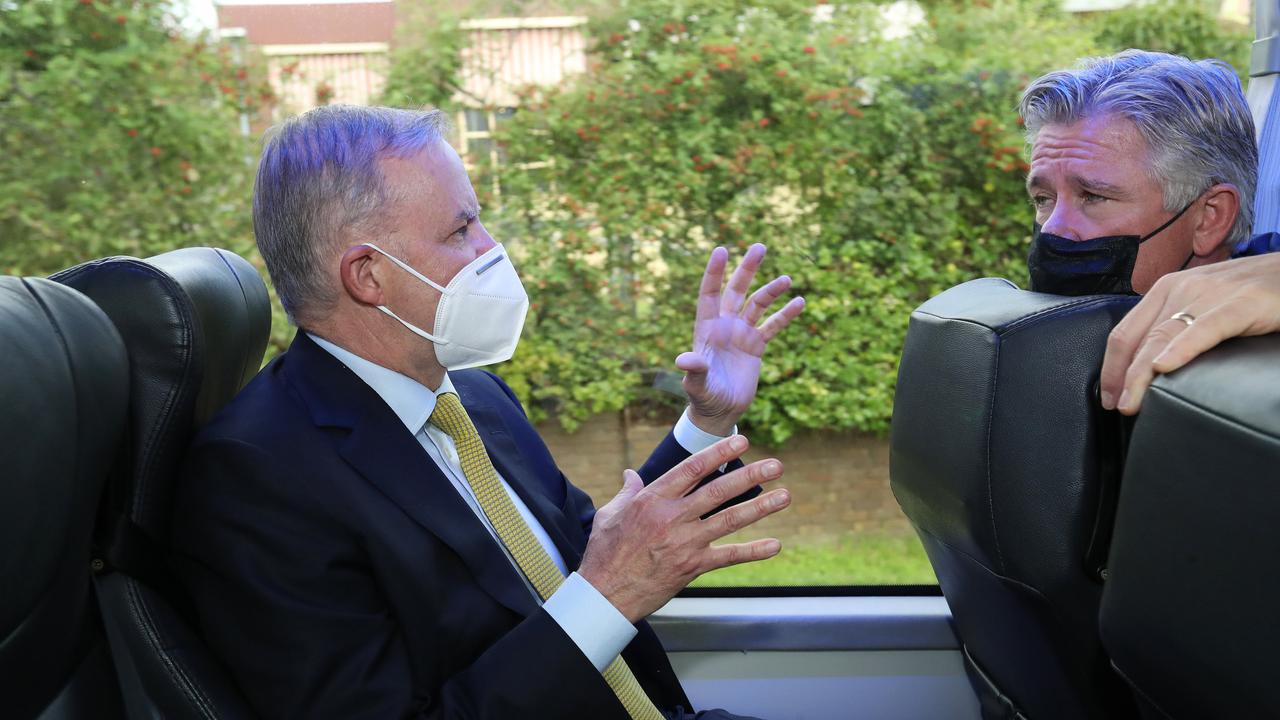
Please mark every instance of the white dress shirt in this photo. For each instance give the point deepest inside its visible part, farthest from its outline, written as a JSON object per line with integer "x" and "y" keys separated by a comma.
{"x": 586, "y": 616}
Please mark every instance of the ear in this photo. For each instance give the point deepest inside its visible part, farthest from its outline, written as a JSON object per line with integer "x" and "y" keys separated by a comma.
{"x": 360, "y": 276}
{"x": 1217, "y": 217}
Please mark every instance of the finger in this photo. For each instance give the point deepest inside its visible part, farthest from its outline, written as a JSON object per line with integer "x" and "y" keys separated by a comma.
{"x": 1206, "y": 332}
{"x": 731, "y": 485}
{"x": 1141, "y": 371}
{"x": 767, "y": 295}
{"x": 737, "y": 517}
{"x": 778, "y": 321}
{"x": 738, "y": 553}
{"x": 679, "y": 480}
{"x": 740, "y": 282}
{"x": 1125, "y": 340}
{"x": 712, "y": 279}
{"x": 631, "y": 484}
{"x": 692, "y": 363}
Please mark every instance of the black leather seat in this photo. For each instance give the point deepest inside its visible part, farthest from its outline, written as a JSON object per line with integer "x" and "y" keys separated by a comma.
{"x": 1189, "y": 614}
{"x": 1005, "y": 463}
{"x": 63, "y": 396}
{"x": 195, "y": 322}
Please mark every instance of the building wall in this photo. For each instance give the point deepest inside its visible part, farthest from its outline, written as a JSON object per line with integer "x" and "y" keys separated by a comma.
{"x": 839, "y": 481}
{"x": 303, "y": 80}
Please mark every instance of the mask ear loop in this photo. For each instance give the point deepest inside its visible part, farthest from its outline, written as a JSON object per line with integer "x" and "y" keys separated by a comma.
{"x": 409, "y": 269}
{"x": 408, "y": 325}
{"x": 1171, "y": 221}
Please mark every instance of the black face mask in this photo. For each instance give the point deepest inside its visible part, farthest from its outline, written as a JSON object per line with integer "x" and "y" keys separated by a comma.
{"x": 1104, "y": 265}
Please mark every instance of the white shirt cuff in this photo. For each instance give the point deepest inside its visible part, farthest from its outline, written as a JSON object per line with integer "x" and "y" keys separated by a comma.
{"x": 693, "y": 438}
{"x": 590, "y": 620}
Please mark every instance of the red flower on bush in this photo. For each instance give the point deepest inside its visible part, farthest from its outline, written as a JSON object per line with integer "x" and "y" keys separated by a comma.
{"x": 156, "y": 152}
{"x": 131, "y": 132}
{"x": 809, "y": 50}
{"x": 121, "y": 19}
{"x": 764, "y": 122}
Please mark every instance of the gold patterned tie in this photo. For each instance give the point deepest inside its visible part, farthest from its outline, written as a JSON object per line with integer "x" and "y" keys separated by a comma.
{"x": 514, "y": 532}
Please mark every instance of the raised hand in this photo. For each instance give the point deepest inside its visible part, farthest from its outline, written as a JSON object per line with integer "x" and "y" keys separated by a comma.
{"x": 723, "y": 368}
{"x": 647, "y": 543}
{"x": 1184, "y": 314}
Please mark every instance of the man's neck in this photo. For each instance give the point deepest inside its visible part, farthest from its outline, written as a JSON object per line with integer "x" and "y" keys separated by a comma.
{"x": 408, "y": 359}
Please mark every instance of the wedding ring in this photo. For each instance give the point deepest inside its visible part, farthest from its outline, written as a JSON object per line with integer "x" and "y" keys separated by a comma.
{"x": 1185, "y": 317}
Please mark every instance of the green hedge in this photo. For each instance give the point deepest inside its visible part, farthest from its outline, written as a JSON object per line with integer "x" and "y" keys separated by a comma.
{"x": 878, "y": 170}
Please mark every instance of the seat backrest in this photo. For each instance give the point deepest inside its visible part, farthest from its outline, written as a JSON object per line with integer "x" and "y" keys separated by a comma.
{"x": 1189, "y": 613}
{"x": 63, "y": 395}
{"x": 1005, "y": 463}
{"x": 195, "y": 322}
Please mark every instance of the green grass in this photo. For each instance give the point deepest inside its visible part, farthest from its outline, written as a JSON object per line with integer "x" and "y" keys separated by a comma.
{"x": 864, "y": 560}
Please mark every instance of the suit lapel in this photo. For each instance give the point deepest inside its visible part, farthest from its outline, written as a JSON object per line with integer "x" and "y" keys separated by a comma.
{"x": 388, "y": 456}
{"x": 507, "y": 459}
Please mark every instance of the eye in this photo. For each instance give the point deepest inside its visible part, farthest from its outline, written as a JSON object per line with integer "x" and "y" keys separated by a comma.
{"x": 1092, "y": 197}
{"x": 1041, "y": 201}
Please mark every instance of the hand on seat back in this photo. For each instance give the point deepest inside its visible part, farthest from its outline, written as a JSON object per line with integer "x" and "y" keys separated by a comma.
{"x": 1222, "y": 300}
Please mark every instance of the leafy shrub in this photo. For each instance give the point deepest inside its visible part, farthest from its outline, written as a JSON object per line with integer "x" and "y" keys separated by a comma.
{"x": 120, "y": 135}
{"x": 879, "y": 168}
{"x": 879, "y": 171}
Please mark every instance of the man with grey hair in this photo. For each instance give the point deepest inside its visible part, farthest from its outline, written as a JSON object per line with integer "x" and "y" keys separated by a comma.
{"x": 1142, "y": 164}
{"x": 374, "y": 529}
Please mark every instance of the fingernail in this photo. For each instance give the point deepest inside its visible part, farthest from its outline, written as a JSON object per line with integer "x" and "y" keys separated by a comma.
{"x": 1124, "y": 401}
{"x": 1108, "y": 400}
{"x": 780, "y": 499}
{"x": 737, "y": 442}
{"x": 772, "y": 468}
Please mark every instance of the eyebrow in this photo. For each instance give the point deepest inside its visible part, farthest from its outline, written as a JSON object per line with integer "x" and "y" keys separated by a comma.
{"x": 1092, "y": 185}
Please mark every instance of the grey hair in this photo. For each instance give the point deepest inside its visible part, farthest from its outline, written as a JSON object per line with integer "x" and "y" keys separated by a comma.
{"x": 319, "y": 183}
{"x": 1192, "y": 114}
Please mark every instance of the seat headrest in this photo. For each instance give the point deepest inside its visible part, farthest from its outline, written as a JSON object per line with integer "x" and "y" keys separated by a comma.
{"x": 1188, "y": 614}
{"x": 63, "y": 396}
{"x": 196, "y": 323}
{"x": 996, "y": 390}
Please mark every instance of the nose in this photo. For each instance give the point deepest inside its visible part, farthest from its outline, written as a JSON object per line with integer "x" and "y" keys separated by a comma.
{"x": 1061, "y": 222}
{"x": 483, "y": 242}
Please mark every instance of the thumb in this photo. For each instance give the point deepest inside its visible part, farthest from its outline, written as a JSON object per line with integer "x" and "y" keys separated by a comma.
{"x": 631, "y": 486}
{"x": 632, "y": 483}
{"x": 693, "y": 363}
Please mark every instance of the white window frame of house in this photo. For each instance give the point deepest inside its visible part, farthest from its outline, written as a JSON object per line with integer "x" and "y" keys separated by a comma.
{"x": 466, "y": 135}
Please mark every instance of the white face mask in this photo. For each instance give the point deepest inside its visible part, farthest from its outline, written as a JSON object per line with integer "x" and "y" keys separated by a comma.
{"x": 480, "y": 314}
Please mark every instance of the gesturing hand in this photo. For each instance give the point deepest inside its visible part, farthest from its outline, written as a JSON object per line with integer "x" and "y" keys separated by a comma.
{"x": 647, "y": 543}
{"x": 729, "y": 340}
{"x": 1184, "y": 314}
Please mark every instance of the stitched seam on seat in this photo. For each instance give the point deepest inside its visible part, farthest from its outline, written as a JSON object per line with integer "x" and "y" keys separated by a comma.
{"x": 991, "y": 411}
{"x": 152, "y": 637}
{"x": 157, "y": 429}
{"x": 1032, "y": 319}
{"x": 1025, "y": 320}
{"x": 75, "y": 398}
{"x": 244, "y": 362}
{"x": 1133, "y": 686}
{"x": 1245, "y": 427}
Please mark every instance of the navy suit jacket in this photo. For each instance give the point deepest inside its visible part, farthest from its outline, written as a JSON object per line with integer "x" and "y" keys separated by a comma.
{"x": 339, "y": 574}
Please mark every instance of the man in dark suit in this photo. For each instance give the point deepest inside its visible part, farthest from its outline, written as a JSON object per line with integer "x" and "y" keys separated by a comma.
{"x": 370, "y": 529}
